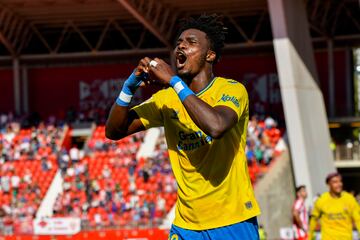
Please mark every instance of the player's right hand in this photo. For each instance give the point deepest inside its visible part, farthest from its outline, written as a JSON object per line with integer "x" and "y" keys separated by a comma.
{"x": 137, "y": 77}
{"x": 143, "y": 66}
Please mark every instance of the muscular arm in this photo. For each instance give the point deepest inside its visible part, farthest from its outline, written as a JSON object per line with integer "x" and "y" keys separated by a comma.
{"x": 214, "y": 121}
{"x": 122, "y": 122}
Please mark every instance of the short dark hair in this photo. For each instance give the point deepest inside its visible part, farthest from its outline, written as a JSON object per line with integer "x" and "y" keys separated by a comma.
{"x": 298, "y": 188}
{"x": 212, "y": 25}
{"x": 331, "y": 175}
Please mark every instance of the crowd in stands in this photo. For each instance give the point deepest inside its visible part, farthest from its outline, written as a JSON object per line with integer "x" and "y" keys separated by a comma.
{"x": 105, "y": 183}
{"x": 112, "y": 187}
{"x": 264, "y": 143}
{"x": 27, "y": 167}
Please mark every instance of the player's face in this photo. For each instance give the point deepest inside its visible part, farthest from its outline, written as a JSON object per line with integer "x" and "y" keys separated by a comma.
{"x": 190, "y": 52}
{"x": 336, "y": 185}
{"x": 303, "y": 193}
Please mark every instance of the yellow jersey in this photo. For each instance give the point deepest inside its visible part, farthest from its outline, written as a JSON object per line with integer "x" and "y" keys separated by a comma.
{"x": 214, "y": 187}
{"x": 336, "y": 216}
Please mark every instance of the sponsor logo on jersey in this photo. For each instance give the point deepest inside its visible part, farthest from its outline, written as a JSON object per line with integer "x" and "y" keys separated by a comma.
{"x": 193, "y": 140}
{"x": 228, "y": 98}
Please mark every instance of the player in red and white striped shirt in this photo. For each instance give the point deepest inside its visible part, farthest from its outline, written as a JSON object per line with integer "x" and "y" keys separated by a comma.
{"x": 300, "y": 214}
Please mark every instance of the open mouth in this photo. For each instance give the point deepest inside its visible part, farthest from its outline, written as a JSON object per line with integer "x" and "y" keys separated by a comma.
{"x": 180, "y": 59}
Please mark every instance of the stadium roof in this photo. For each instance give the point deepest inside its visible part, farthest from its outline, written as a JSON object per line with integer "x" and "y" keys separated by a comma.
{"x": 53, "y": 28}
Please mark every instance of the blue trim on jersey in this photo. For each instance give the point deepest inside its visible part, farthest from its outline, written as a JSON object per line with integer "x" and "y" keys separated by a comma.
{"x": 206, "y": 88}
{"x": 246, "y": 230}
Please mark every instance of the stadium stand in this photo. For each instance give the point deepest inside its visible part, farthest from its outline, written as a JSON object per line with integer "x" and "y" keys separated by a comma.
{"x": 109, "y": 185}
{"x": 263, "y": 145}
{"x": 28, "y": 164}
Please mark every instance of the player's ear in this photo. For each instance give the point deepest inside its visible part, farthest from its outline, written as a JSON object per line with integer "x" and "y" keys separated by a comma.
{"x": 210, "y": 56}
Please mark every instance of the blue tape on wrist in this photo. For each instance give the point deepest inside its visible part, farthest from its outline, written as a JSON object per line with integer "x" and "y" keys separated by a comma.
{"x": 121, "y": 103}
{"x": 180, "y": 88}
{"x": 124, "y": 99}
{"x": 129, "y": 88}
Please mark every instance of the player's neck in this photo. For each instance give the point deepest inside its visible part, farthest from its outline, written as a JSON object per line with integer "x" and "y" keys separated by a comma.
{"x": 301, "y": 198}
{"x": 201, "y": 81}
{"x": 334, "y": 194}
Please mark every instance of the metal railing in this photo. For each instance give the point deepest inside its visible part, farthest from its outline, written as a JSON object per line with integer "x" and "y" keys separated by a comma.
{"x": 349, "y": 151}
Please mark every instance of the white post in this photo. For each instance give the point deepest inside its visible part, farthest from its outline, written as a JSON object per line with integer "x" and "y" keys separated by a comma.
{"x": 303, "y": 102}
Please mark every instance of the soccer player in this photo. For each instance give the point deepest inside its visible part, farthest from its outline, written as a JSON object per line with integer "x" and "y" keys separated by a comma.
{"x": 337, "y": 210}
{"x": 300, "y": 214}
{"x": 205, "y": 119}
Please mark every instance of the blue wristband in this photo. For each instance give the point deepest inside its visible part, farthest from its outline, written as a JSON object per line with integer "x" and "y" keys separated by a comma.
{"x": 129, "y": 88}
{"x": 180, "y": 87}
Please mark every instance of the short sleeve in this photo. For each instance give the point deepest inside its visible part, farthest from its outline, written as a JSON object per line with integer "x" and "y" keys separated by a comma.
{"x": 316, "y": 212}
{"x": 150, "y": 113}
{"x": 355, "y": 212}
{"x": 234, "y": 96}
{"x": 298, "y": 205}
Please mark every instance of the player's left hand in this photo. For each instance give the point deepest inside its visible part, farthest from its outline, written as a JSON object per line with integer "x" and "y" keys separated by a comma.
{"x": 162, "y": 72}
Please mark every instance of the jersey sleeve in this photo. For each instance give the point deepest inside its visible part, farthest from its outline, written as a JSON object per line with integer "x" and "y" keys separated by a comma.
{"x": 150, "y": 113}
{"x": 315, "y": 215}
{"x": 297, "y": 205}
{"x": 355, "y": 213}
{"x": 234, "y": 96}
{"x": 316, "y": 212}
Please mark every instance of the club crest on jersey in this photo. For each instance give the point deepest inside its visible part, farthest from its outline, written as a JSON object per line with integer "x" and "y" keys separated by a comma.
{"x": 232, "y": 81}
{"x": 248, "y": 205}
{"x": 228, "y": 98}
{"x": 174, "y": 237}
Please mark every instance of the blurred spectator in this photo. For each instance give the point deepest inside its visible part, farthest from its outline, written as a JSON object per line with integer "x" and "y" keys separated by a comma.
{"x": 74, "y": 154}
{"x": 63, "y": 160}
{"x": 5, "y": 183}
{"x": 15, "y": 183}
{"x": 27, "y": 177}
{"x": 8, "y": 225}
{"x": 264, "y": 143}
{"x": 106, "y": 172}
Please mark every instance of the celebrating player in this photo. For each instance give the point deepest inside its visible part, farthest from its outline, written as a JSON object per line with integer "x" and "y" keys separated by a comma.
{"x": 205, "y": 120}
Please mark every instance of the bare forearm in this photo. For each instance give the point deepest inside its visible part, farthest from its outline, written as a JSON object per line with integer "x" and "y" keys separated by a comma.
{"x": 298, "y": 220}
{"x": 207, "y": 118}
{"x": 117, "y": 122}
{"x": 214, "y": 121}
{"x": 121, "y": 121}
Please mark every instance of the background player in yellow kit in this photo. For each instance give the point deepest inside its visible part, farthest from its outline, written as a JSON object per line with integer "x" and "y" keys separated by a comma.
{"x": 336, "y": 210}
{"x": 205, "y": 119}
